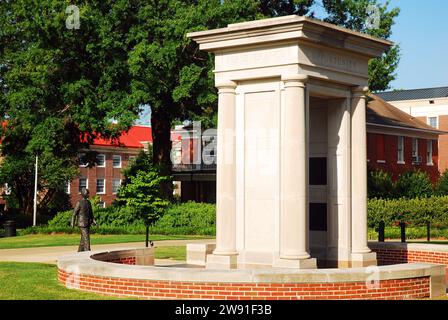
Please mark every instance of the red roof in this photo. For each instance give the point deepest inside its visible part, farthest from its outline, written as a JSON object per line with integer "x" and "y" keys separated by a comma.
{"x": 131, "y": 139}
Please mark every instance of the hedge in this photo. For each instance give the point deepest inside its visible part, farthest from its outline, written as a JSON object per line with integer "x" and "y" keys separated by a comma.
{"x": 188, "y": 218}
{"x": 416, "y": 211}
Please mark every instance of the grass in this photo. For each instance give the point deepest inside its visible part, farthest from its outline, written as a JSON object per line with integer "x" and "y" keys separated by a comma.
{"x": 174, "y": 253}
{"x": 43, "y": 240}
{"x": 37, "y": 281}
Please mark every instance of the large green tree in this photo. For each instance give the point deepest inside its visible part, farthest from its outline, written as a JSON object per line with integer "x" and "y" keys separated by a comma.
{"x": 376, "y": 19}
{"x": 60, "y": 87}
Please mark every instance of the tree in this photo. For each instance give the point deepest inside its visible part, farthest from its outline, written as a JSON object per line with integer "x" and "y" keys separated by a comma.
{"x": 414, "y": 184}
{"x": 169, "y": 71}
{"x": 380, "y": 185}
{"x": 359, "y": 15}
{"x": 142, "y": 193}
{"x": 60, "y": 88}
{"x": 274, "y": 8}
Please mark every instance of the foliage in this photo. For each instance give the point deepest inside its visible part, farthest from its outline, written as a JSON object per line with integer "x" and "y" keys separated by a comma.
{"x": 184, "y": 218}
{"x": 59, "y": 89}
{"x": 412, "y": 184}
{"x": 190, "y": 217}
{"x": 143, "y": 196}
{"x": 442, "y": 184}
{"x": 380, "y": 184}
{"x": 417, "y": 211}
{"x": 354, "y": 14}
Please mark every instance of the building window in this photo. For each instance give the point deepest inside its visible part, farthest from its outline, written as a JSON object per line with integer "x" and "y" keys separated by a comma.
{"x": 429, "y": 161}
{"x": 82, "y": 160}
{"x": 67, "y": 187}
{"x": 7, "y": 189}
{"x": 116, "y": 161}
{"x": 101, "y": 204}
{"x": 101, "y": 160}
{"x": 100, "y": 186}
{"x": 116, "y": 183}
{"x": 83, "y": 183}
{"x": 433, "y": 122}
{"x": 416, "y": 159}
{"x": 400, "y": 149}
{"x": 380, "y": 149}
{"x": 414, "y": 147}
{"x": 131, "y": 158}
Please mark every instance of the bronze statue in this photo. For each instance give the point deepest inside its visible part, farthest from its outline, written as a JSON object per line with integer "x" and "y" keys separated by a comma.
{"x": 84, "y": 214}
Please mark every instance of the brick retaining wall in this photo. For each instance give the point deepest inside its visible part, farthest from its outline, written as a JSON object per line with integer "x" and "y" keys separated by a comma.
{"x": 411, "y": 288}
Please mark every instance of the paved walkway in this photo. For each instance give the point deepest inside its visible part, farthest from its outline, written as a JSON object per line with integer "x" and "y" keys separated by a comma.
{"x": 50, "y": 254}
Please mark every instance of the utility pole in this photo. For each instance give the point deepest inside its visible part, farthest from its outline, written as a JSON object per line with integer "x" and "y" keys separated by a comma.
{"x": 35, "y": 193}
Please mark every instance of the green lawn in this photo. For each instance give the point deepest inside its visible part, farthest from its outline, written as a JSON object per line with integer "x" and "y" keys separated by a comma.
{"x": 44, "y": 240}
{"x": 36, "y": 281}
{"x": 175, "y": 253}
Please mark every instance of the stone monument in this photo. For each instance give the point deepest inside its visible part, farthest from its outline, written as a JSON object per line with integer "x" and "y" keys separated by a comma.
{"x": 291, "y": 90}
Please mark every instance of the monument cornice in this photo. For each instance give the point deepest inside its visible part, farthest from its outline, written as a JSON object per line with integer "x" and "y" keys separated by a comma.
{"x": 289, "y": 28}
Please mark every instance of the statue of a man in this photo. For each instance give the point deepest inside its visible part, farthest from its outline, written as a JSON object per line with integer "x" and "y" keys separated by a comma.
{"x": 83, "y": 213}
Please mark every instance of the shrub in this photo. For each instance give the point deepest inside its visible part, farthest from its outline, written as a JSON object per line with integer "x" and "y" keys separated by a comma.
{"x": 414, "y": 184}
{"x": 178, "y": 219}
{"x": 189, "y": 217}
{"x": 380, "y": 184}
{"x": 417, "y": 211}
{"x": 442, "y": 184}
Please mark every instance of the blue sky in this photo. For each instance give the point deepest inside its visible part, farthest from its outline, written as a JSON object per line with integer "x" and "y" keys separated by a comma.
{"x": 421, "y": 29}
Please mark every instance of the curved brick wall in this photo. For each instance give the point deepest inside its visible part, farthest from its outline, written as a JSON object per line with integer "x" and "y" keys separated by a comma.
{"x": 389, "y": 253}
{"x": 413, "y": 288}
{"x": 95, "y": 273}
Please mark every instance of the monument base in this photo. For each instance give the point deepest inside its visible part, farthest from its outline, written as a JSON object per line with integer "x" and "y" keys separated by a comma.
{"x": 222, "y": 262}
{"x": 310, "y": 263}
{"x": 360, "y": 260}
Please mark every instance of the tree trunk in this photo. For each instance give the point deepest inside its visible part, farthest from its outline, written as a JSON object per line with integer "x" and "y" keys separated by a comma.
{"x": 161, "y": 134}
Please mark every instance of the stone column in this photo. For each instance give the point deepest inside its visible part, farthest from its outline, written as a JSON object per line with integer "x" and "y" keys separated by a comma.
{"x": 224, "y": 256}
{"x": 338, "y": 183}
{"x": 294, "y": 177}
{"x": 361, "y": 254}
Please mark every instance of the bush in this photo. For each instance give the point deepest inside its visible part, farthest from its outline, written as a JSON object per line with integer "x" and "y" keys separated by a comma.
{"x": 417, "y": 211}
{"x": 179, "y": 219}
{"x": 112, "y": 216}
{"x": 442, "y": 184}
{"x": 380, "y": 184}
{"x": 414, "y": 184}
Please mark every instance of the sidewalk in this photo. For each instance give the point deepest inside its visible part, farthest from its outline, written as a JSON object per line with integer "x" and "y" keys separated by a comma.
{"x": 50, "y": 254}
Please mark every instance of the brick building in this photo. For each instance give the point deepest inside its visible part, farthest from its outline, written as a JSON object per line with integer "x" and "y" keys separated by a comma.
{"x": 396, "y": 143}
{"x": 105, "y": 178}
{"x": 428, "y": 105}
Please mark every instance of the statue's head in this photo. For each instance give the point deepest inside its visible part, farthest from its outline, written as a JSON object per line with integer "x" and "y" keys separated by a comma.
{"x": 85, "y": 193}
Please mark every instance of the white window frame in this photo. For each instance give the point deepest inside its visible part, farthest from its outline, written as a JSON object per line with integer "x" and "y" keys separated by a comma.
{"x": 102, "y": 204}
{"x": 113, "y": 164}
{"x": 400, "y": 151}
{"x": 414, "y": 147}
{"x": 429, "y": 153}
{"x": 67, "y": 189}
{"x": 119, "y": 185}
{"x": 82, "y": 165}
{"x": 7, "y": 189}
{"x": 429, "y": 122}
{"x": 104, "y": 163}
{"x": 104, "y": 186}
{"x": 79, "y": 184}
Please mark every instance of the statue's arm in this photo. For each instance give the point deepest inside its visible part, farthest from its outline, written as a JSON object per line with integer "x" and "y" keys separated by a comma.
{"x": 75, "y": 214}
{"x": 92, "y": 218}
